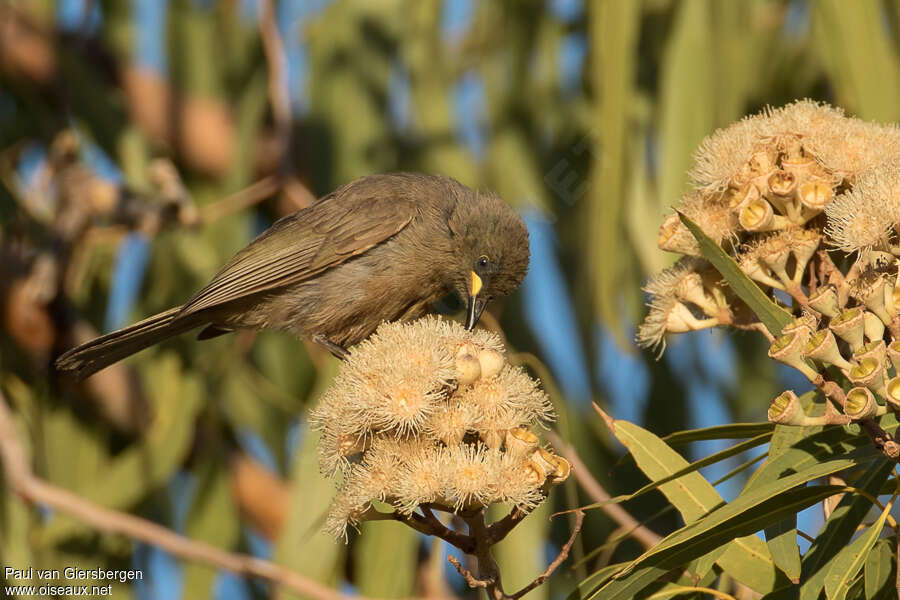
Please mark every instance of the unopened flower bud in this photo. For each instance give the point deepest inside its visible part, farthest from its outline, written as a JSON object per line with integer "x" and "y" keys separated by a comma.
{"x": 468, "y": 367}
{"x": 491, "y": 362}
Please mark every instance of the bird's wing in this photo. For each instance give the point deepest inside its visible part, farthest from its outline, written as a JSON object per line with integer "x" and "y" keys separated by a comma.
{"x": 304, "y": 244}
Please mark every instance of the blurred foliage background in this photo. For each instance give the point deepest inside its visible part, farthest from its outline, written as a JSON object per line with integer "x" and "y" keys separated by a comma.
{"x": 144, "y": 142}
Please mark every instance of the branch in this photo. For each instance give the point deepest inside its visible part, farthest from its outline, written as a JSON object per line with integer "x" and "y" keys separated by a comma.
{"x": 429, "y": 525}
{"x": 563, "y": 555}
{"x": 645, "y": 536}
{"x": 473, "y": 581}
{"x": 24, "y": 483}
{"x": 279, "y": 97}
{"x": 250, "y": 195}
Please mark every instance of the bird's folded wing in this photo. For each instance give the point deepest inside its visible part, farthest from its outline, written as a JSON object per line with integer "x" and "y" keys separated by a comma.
{"x": 304, "y": 244}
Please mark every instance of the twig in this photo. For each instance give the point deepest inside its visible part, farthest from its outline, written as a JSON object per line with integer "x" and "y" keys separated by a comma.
{"x": 473, "y": 581}
{"x": 31, "y": 488}
{"x": 428, "y": 526}
{"x": 881, "y": 439}
{"x": 490, "y": 577}
{"x": 279, "y": 97}
{"x": 250, "y": 195}
{"x": 645, "y": 536}
{"x": 563, "y": 555}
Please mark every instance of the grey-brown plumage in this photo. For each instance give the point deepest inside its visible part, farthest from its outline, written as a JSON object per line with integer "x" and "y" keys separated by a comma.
{"x": 381, "y": 248}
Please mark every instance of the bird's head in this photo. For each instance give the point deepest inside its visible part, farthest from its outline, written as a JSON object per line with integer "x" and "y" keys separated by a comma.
{"x": 490, "y": 251}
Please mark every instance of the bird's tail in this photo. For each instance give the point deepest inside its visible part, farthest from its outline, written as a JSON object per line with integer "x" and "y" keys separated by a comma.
{"x": 99, "y": 353}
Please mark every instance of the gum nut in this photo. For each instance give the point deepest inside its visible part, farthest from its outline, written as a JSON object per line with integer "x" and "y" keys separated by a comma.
{"x": 563, "y": 469}
{"x": 546, "y": 459}
{"x": 534, "y": 473}
{"x": 492, "y": 438}
{"x": 491, "y": 362}
{"x": 469, "y": 369}
{"x": 466, "y": 348}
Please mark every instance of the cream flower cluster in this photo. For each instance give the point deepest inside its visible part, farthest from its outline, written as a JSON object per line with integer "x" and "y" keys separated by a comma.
{"x": 807, "y": 201}
{"x": 427, "y": 413}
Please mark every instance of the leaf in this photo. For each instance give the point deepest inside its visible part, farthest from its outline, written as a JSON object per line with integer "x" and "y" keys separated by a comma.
{"x": 829, "y": 443}
{"x": 595, "y": 580}
{"x": 746, "y": 559}
{"x": 302, "y": 545}
{"x": 878, "y": 570}
{"x": 732, "y": 431}
{"x": 851, "y": 559}
{"x": 782, "y": 536}
{"x": 386, "y": 556}
{"x": 522, "y": 555}
{"x": 752, "y": 510}
{"x": 773, "y": 316}
{"x": 212, "y": 519}
{"x": 147, "y": 465}
{"x": 697, "y": 539}
{"x": 613, "y": 28}
{"x": 691, "y": 468}
{"x": 740, "y": 468}
{"x": 839, "y": 528}
{"x": 687, "y": 78}
{"x": 859, "y": 55}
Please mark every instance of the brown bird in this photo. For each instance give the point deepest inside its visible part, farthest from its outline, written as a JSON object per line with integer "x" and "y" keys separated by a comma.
{"x": 381, "y": 248}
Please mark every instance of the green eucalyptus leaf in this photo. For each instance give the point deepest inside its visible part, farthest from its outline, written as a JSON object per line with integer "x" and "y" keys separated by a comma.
{"x": 731, "y": 431}
{"x": 879, "y": 571}
{"x": 747, "y": 559}
{"x": 839, "y": 528}
{"x": 772, "y": 316}
{"x": 691, "y": 468}
{"x": 849, "y": 561}
{"x": 782, "y": 536}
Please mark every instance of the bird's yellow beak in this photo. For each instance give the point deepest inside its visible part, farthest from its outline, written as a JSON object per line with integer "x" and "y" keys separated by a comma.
{"x": 475, "y": 283}
{"x": 476, "y": 304}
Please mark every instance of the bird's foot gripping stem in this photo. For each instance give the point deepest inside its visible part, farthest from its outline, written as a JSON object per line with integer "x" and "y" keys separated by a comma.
{"x": 337, "y": 350}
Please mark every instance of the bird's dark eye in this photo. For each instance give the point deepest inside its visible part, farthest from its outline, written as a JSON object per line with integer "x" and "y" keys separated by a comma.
{"x": 483, "y": 260}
